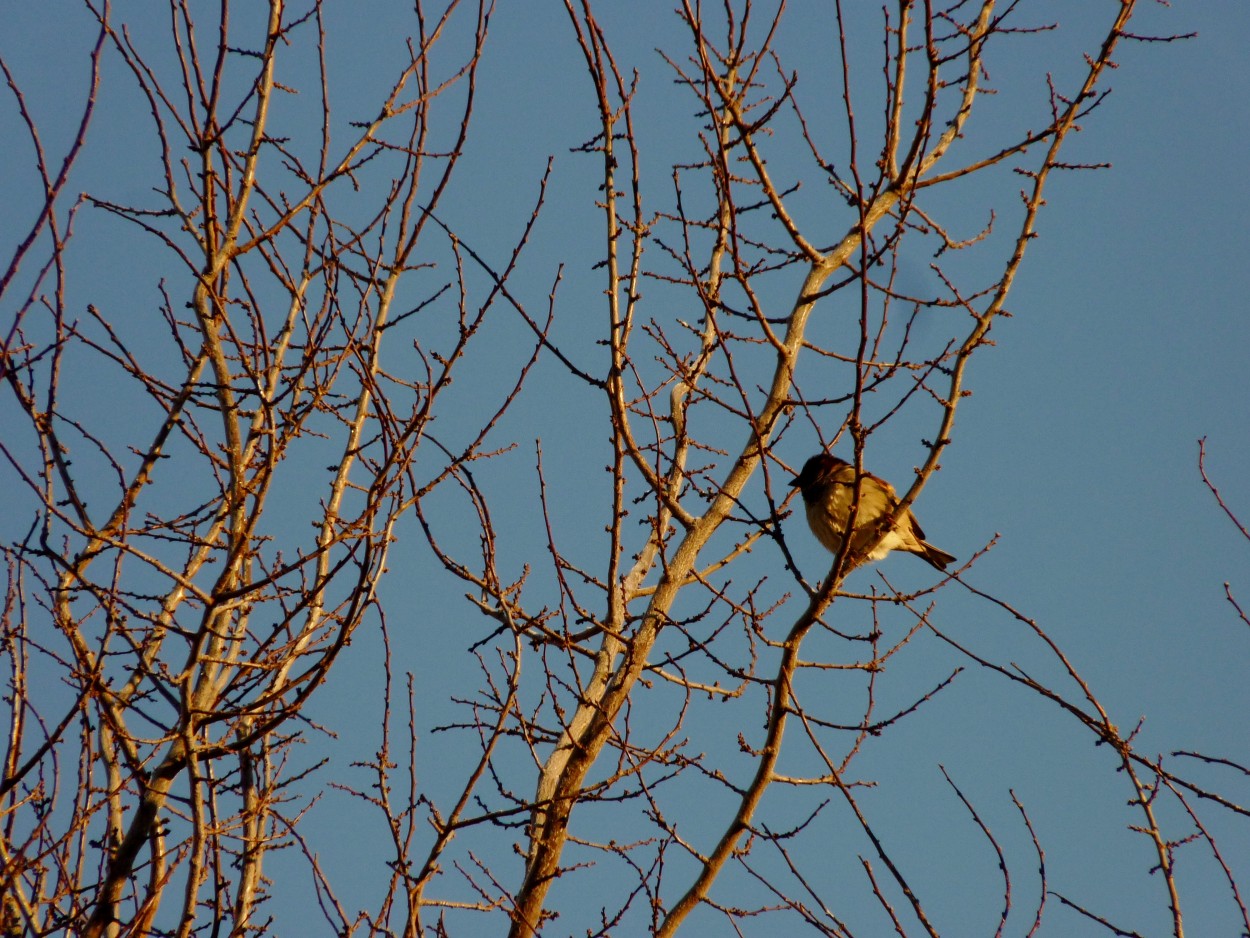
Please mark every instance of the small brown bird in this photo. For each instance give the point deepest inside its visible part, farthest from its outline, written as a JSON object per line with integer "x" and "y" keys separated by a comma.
{"x": 828, "y": 486}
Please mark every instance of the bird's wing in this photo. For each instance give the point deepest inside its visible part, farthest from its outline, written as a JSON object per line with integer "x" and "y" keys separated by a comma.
{"x": 881, "y": 483}
{"x": 915, "y": 525}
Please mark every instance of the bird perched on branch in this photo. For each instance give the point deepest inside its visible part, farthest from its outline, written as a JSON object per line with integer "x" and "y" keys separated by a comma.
{"x": 828, "y": 487}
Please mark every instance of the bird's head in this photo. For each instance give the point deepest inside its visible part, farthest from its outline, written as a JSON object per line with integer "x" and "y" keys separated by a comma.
{"x": 816, "y": 472}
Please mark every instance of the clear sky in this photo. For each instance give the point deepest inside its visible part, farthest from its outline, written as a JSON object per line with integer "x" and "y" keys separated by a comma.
{"x": 1130, "y": 341}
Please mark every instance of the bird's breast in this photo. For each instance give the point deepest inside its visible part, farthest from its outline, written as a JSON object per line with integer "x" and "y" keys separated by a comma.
{"x": 829, "y": 512}
{"x": 827, "y": 528}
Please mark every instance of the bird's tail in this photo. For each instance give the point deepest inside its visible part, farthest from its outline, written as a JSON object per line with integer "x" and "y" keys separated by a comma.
{"x": 933, "y": 555}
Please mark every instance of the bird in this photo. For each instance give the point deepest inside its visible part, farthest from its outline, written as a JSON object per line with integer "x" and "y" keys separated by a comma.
{"x": 828, "y": 487}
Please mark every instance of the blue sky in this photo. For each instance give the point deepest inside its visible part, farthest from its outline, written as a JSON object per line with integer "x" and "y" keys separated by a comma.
{"x": 1129, "y": 341}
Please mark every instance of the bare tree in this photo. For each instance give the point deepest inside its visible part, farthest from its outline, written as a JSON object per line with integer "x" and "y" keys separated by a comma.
{"x": 192, "y": 625}
{"x": 171, "y": 611}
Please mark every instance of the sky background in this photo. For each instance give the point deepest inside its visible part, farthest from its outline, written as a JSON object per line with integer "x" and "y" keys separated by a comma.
{"x": 1129, "y": 341}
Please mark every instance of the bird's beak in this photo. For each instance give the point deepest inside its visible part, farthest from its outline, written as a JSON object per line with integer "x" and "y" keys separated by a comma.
{"x": 795, "y": 482}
